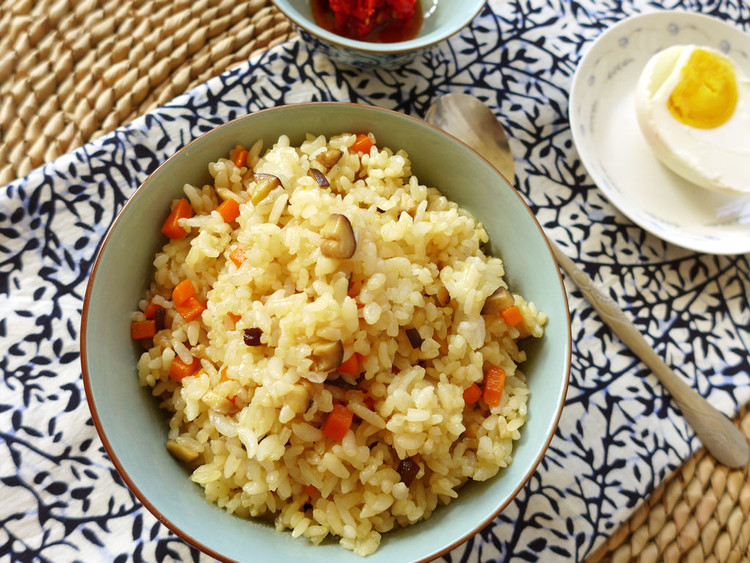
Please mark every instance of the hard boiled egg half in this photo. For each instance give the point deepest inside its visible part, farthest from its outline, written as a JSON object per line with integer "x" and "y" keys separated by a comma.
{"x": 693, "y": 106}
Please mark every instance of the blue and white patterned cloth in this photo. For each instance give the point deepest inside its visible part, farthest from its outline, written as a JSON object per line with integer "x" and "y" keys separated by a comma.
{"x": 619, "y": 436}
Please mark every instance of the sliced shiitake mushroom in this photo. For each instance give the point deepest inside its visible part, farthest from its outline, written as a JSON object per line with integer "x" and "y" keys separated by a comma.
{"x": 340, "y": 382}
{"x": 298, "y": 397}
{"x": 160, "y": 318}
{"x": 408, "y": 469}
{"x": 264, "y": 185}
{"x": 327, "y": 356}
{"x": 500, "y": 299}
{"x": 415, "y": 339}
{"x": 329, "y": 158}
{"x": 338, "y": 237}
{"x": 217, "y": 403}
{"x": 183, "y": 451}
{"x": 251, "y": 336}
{"x": 320, "y": 178}
{"x": 523, "y": 330}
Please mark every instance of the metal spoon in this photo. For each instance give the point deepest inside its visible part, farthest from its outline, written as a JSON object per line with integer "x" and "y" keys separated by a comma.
{"x": 471, "y": 121}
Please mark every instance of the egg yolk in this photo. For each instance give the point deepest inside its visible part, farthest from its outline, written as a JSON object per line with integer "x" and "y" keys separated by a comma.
{"x": 706, "y": 95}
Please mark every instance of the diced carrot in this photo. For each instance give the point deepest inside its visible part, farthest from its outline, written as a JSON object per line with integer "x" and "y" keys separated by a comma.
{"x": 512, "y": 315}
{"x": 140, "y": 330}
{"x": 151, "y": 308}
{"x": 182, "y": 292}
{"x": 229, "y": 209}
{"x": 494, "y": 382}
{"x": 351, "y": 365}
{"x": 237, "y": 256}
{"x": 338, "y": 422}
{"x": 235, "y": 318}
{"x": 190, "y": 309}
{"x": 362, "y": 144}
{"x": 472, "y": 394}
{"x": 171, "y": 227}
{"x": 240, "y": 157}
{"x": 179, "y": 370}
{"x": 311, "y": 490}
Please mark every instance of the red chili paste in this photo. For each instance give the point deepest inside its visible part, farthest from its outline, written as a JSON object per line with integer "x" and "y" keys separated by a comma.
{"x": 377, "y": 21}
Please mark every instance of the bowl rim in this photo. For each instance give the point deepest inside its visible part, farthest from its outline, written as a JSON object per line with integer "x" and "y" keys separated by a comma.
{"x": 135, "y": 489}
{"x": 369, "y": 47}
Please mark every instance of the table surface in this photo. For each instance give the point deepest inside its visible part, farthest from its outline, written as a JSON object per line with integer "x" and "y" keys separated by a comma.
{"x": 71, "y": 72}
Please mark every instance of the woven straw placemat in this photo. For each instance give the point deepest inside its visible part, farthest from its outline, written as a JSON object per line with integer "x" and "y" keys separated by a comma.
{"x": 71, "y": 71}
{"x": 699, "y": 514}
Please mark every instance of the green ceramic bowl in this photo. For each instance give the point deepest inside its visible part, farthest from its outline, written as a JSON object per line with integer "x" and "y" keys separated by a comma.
{"x": 442, "y": 18}
{"x": 133, "y": 429}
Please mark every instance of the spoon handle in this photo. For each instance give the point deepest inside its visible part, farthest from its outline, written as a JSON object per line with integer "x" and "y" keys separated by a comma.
{"x": 720, "y": 437}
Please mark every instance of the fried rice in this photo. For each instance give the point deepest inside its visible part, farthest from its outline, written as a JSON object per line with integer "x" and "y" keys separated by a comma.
{"x": 351, "y": 288}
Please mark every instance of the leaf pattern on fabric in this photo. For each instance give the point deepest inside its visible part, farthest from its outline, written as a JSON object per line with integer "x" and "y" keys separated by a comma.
{"x": 619, "y": 436}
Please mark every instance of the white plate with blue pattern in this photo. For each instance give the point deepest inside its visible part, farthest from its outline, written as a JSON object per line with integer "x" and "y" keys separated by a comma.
{"x": 618, "y": 157}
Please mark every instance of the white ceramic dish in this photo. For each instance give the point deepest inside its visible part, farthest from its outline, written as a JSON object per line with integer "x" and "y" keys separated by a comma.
{"x": 617, "y": 156}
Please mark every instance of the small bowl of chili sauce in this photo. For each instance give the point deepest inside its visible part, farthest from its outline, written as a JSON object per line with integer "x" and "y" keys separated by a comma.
{"x": 377, "y": 33}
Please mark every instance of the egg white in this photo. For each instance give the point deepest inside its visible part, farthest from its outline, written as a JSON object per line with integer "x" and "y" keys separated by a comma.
{"x": 716, "y": 159}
